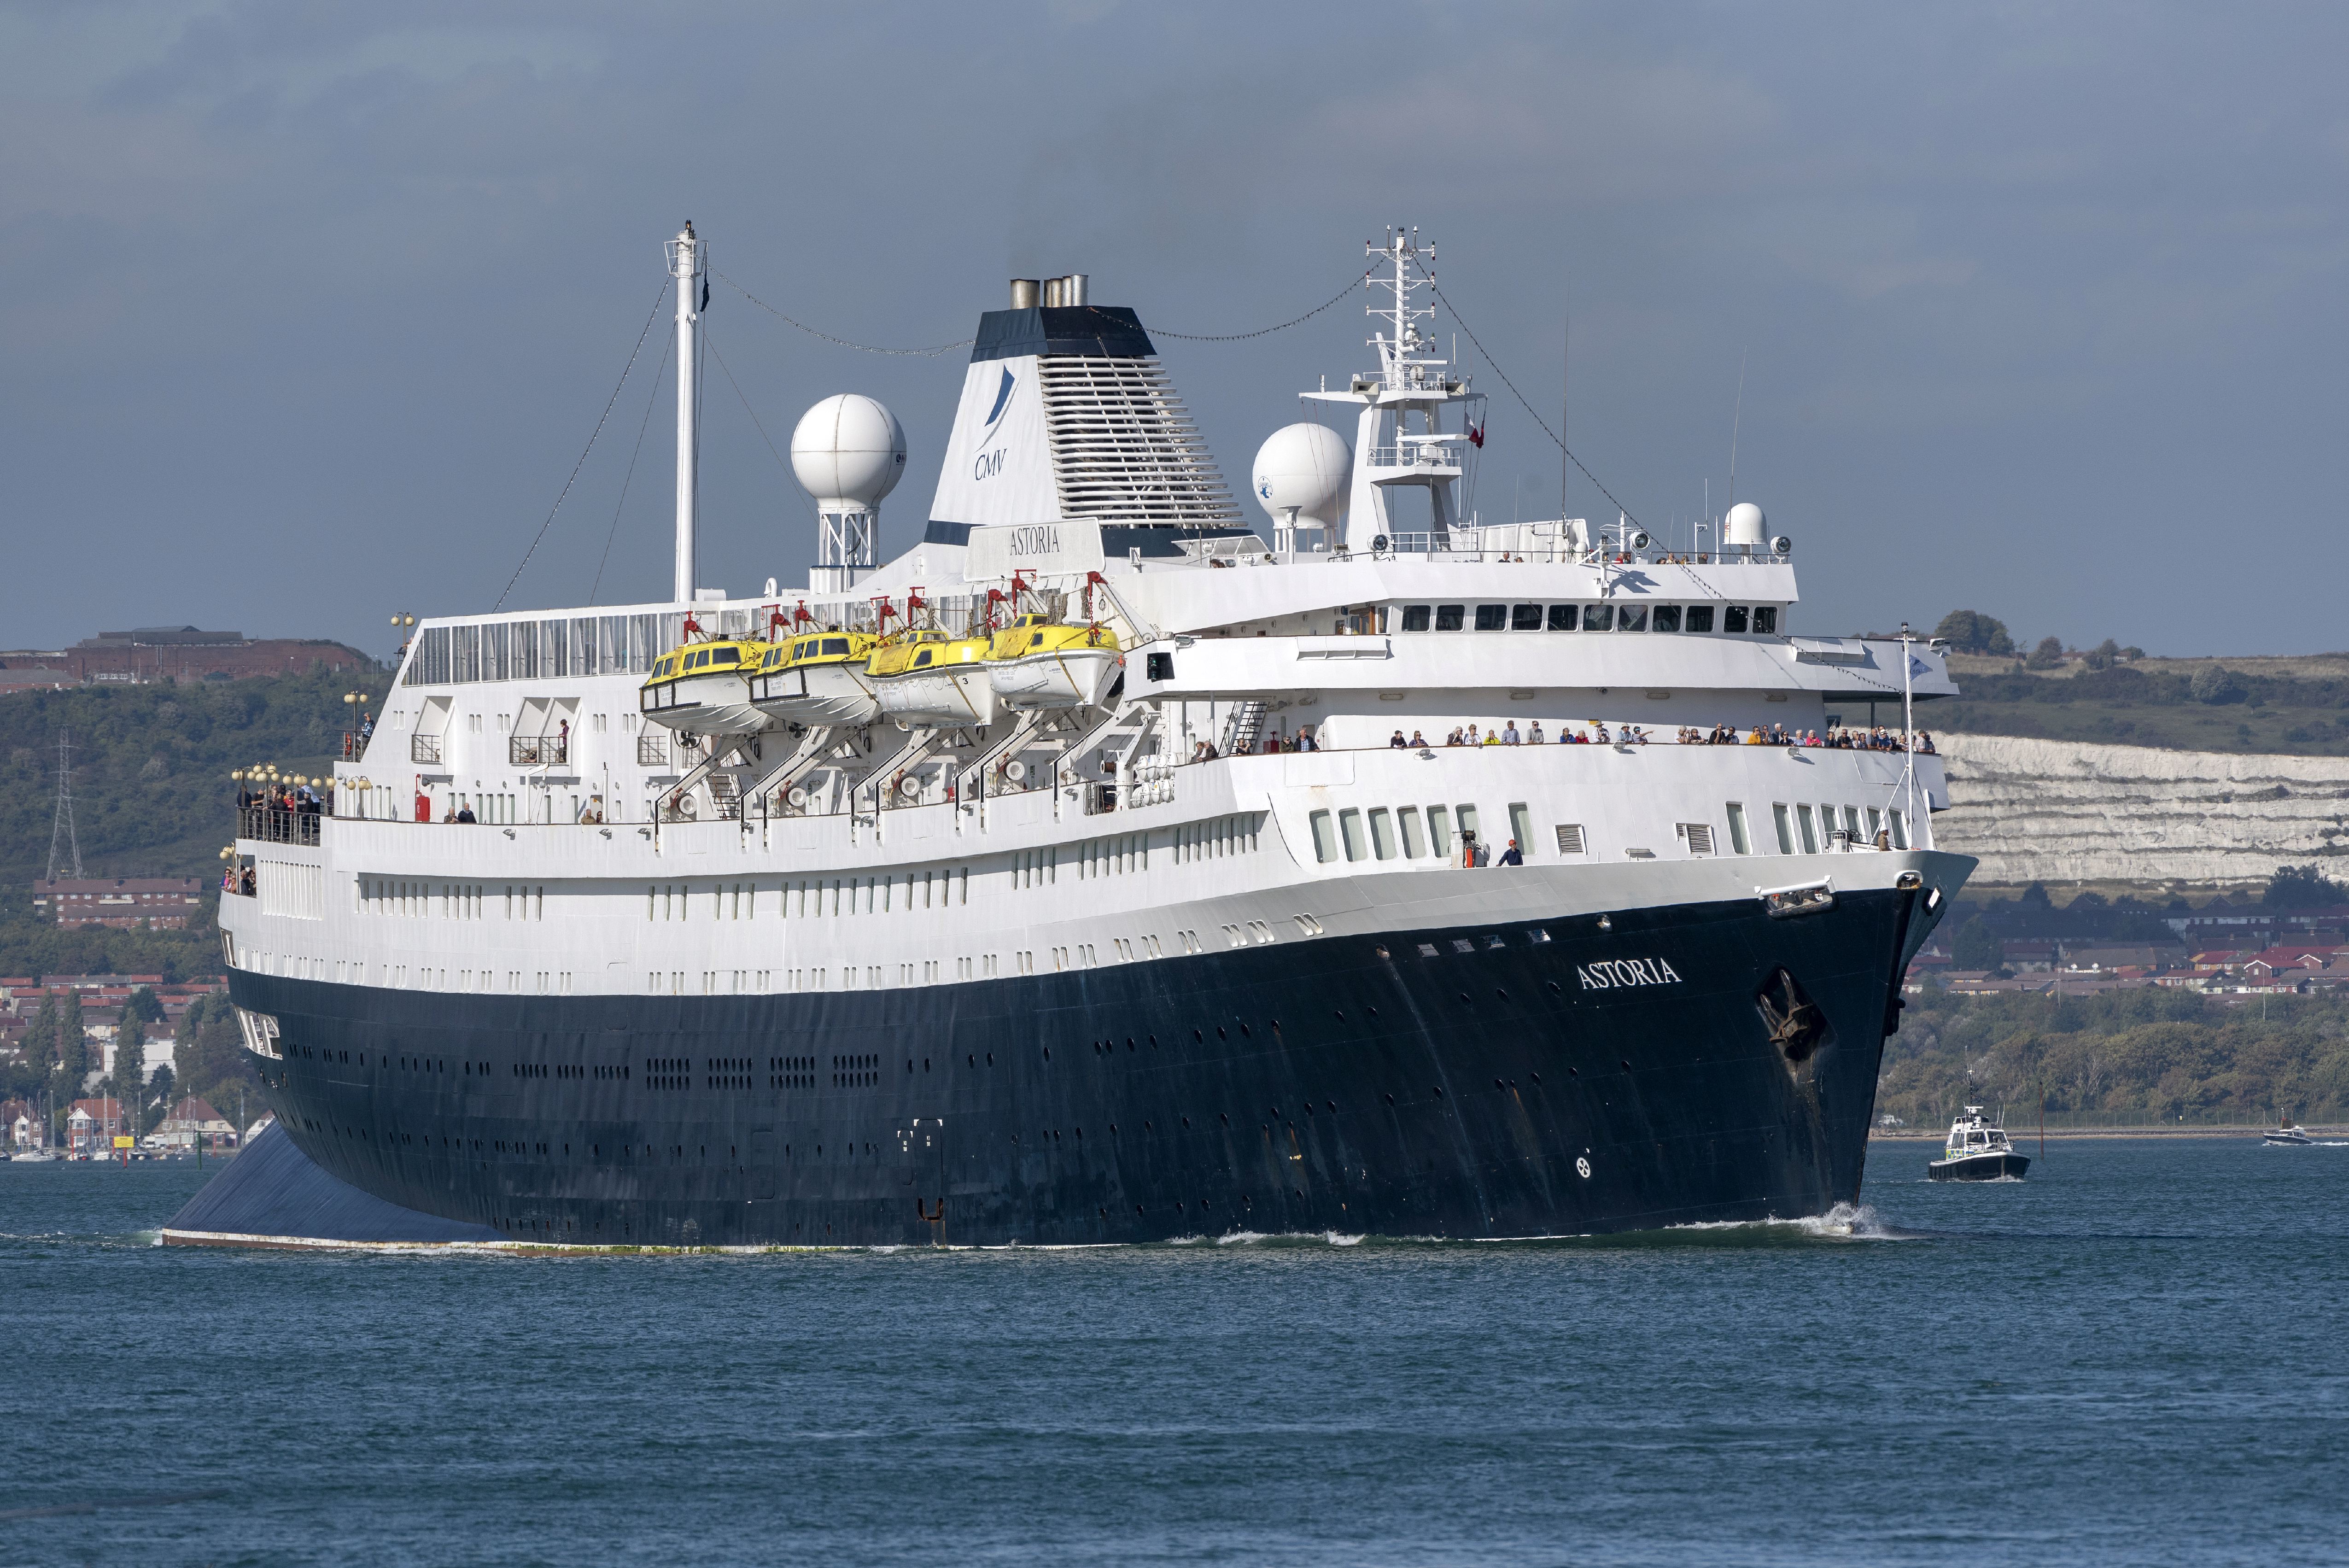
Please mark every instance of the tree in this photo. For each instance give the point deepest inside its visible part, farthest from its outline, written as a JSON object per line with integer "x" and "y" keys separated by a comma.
{"x": 143, "y": 1006}
{"x": 2047, "y": 654}
{"x": 130, "y": 1075}
{"x": 2104, "y": 656}
{"x": 2217, "y": 685}
{"x": 1970, "y": 631}
{"x": 211, "y": 1056}
{"x": 69, "y": 1049}
{"x": 1977, "y": 947}
{"x": 157, "y": 1104}
{"x": 2303, "y": 887}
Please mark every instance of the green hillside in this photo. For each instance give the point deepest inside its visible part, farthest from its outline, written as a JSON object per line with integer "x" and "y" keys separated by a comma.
{"x": 2296, "y": 706}
{"x": 152, "y": 791}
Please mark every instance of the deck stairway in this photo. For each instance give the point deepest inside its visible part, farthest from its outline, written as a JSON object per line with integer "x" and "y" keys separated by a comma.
{"x": 1247, "y": 723}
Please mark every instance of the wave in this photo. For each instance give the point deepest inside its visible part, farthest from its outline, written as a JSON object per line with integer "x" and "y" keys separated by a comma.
{"x": 1844, "y": 1222}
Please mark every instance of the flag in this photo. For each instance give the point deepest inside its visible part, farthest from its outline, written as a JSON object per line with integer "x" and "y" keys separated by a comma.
{"x": 705, "y": 293}
{"x": 1476, "y": 436}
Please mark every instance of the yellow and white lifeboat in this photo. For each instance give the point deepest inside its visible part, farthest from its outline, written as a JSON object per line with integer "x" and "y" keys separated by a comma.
{"x": 817, "y": 678}
{"x": 704, "y": 688}
{"x": 1033, "y": 663}
{"x": 929, "y": 678}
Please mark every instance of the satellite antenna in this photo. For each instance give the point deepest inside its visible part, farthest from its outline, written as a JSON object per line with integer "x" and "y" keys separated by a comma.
{"x": 61, "y": 830}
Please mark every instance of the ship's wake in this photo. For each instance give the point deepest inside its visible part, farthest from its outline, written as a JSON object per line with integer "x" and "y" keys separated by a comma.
{"x": 1844, "y": 1222}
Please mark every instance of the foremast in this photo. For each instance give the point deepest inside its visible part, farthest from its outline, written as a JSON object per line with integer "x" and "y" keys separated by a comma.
{"x": 1399, "y": 438}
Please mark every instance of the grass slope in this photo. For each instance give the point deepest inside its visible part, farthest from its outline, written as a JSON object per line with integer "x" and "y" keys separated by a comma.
{"x": 2296, "y": 707}
{"x": 152, "y": 791}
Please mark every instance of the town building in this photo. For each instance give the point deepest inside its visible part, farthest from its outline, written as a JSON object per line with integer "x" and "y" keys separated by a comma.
{"x": 170, "y": 653}
{"x": 191, "y": 1122}
{"x": 91, "y": 1125}
{"x": 121, "y": 902}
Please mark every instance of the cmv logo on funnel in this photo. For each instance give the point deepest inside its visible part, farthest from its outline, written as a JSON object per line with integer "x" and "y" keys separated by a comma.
{"x": 989, "y": 463}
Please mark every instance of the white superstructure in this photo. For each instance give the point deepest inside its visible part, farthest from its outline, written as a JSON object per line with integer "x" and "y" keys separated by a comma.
{"x": 610, "y": 855}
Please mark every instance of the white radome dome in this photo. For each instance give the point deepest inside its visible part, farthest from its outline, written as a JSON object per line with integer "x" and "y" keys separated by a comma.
{"x": 1744, "y": 526}
{"x": 1305, "y": 467}
{"x": 848, "y": 451}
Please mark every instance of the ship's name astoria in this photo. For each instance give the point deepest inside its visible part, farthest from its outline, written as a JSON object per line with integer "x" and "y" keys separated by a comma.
{"x": 1609, "y": 973}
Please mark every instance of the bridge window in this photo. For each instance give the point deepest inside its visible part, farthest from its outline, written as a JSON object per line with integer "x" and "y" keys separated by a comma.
{"x": 1598, "y": 618}
{"x": 1415, "y": 618}
{"x": 1765, "y": 620}
{"x": 1668, "y": 618}
{"x": 1562, "y": 617}
{"x": 1631, "y": 618}
{"x": 1492, "y": 618}
{"x": 1734, "y": 617}
{"x": 1698, "y": 617}
{"x": 1450, "y": 617}
{"x": 1525, "y": 618}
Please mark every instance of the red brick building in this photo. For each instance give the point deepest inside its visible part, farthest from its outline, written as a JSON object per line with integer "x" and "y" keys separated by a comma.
{"x": 118, "y": 900}
{"x": 178, "y": 653}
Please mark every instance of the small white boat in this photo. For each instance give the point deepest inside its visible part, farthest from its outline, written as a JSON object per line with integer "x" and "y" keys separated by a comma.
{"x": 1978, "y": 1151}
{"x": 2289, "y": 1133}
{"x": 1033, "y": 663}
{"x": 928, "y": 678}
{"x": 818, "y": 678}
{"x": 704, "y": 688}
{"x": 32, "y": 1156}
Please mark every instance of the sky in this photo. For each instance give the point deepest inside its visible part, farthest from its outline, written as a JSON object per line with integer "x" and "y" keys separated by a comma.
{"x": 309, "y": 310}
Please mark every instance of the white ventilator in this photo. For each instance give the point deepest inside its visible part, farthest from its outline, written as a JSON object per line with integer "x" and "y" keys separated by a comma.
{"x": 848, "y": 452}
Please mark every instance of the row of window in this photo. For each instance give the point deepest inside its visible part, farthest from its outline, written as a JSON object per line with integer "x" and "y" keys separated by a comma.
{"x": 1412, "y": 833}
{"x": 813, "y": 897}
{"x": 1761, "y": 619}
{"x": 448, "y": 900}
{"x": 1417, "y": 832}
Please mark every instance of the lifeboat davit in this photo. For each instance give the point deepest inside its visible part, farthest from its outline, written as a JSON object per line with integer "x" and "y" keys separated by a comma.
{"x": 704, "y": 689}
{"x": 1033, "y": 663}
{"x": 928, "y": 678}
{"x": 817, "y": 678}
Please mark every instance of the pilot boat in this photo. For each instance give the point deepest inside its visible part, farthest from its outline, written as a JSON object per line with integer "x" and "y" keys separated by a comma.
{"x": 928, "y": 678}
{"x": 704, "y": 688}
{"x": 1035, "y": 664}
{"x": 1978, "y": 1151}
{"x": 818, "y": 678}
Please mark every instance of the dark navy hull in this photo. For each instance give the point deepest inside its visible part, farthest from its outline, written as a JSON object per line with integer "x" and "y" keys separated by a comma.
{"x": 1531, "y": 1079}
{"x": 2007, "y": 1167}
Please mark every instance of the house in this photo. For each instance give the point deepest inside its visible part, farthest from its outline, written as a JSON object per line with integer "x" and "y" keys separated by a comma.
{"x": 118, "y": 900}
{"x": 191, "y": 1122}
{"x": 22, "y": 1125}
{"x": 2030, "y": 957}
{"x": 91, "y": 1125}
{"x": 2218, "y": 960}
{"x": 2102, "y": 960}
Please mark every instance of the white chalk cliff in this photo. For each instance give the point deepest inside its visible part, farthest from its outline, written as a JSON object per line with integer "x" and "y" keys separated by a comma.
{"x": 2055, "y": 810}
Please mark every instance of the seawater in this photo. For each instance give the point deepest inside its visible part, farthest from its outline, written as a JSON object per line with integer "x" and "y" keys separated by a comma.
{"x": 2135, "y": 1356}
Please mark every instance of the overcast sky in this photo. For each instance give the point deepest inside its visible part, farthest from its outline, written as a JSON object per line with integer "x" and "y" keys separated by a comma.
{"x": 310, "y": 308}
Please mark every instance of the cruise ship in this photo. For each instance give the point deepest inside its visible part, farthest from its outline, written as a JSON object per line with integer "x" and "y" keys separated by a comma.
{"x": 1100, "y": 867}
